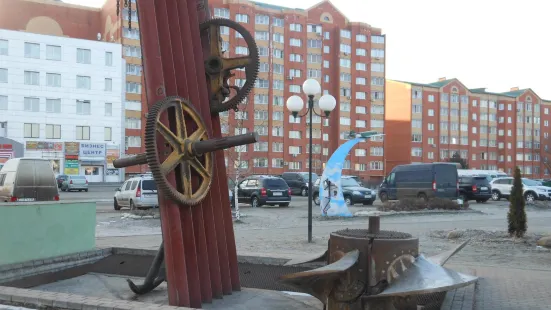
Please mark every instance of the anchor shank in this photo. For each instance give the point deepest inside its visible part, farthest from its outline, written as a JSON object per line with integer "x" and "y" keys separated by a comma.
{"x": 134, "y": 160}
{"x": 211, "y": 145}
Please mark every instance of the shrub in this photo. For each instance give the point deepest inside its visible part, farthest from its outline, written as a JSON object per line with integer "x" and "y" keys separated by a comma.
{"x": 516, "y": 218}
{"x": 414, "y": 204}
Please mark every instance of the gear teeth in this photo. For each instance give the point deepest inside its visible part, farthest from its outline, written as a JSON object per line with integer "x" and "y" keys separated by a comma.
{"x": 251, "y": 71}
{"x": 150, "y": 138}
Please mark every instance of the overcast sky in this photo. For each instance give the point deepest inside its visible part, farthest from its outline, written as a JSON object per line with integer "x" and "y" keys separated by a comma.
{"x": 497, "y": 44}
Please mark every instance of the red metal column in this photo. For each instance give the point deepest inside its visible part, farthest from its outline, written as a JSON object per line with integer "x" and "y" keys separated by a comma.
{"x": 200, "y": 254}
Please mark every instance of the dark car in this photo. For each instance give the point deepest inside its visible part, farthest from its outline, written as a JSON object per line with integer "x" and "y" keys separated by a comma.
{"x": 60, "y": 179}
{"x": 423, "y": 181}
{"x": 298, "y": 182}
{"x": 352, "y": 191}
{"x": 474, "y": 188}
{"x": 264, "y": 190}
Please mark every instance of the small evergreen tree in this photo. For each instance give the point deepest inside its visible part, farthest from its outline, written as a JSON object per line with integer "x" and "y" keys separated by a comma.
{"x": 517, "y": 215}
{"x": 456, "y": 158}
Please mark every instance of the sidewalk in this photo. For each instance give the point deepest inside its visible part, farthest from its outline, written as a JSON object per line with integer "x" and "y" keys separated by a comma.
{"x": 497, "y": 288}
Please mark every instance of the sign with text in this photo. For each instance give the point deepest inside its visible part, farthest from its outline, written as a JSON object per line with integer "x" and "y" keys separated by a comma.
{"x": 44, "y": 146}
{"x": 92, "y": 150}
{"x": 71, "y": 148}
{"x": 71, "y": 167}
{"x": 112, "y": 154}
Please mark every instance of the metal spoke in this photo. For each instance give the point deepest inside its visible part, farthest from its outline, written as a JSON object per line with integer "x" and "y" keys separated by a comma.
{"x": 181, "y": 129}
{"x": 198, "y": 166}
{"x": 168, "y": 135}
{"x": 186, "y": 179}
{"x": 171, "y": 162}
{"x": 215, "y": 49}
{"x": 197, "y": 134}
{"x": 237, "y": 62}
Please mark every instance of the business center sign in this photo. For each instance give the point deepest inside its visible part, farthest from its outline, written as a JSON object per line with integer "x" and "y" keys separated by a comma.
{"x": 92, "y": 150}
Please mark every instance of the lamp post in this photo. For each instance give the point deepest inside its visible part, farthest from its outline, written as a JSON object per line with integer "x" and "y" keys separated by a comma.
{"x": 326, "y": 103}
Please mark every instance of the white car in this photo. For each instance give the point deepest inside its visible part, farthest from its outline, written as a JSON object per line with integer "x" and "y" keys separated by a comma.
{"x": 532, "y": 190}
{"x": 137, "y": 193}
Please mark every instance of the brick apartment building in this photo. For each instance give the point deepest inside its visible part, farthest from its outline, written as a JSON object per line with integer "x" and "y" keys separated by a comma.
{"x": 497, "y": 131}
{"x": 347, "y": 58}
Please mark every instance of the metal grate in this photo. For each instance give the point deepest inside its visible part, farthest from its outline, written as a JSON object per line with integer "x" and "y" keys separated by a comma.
{"x": 266, "y": 276}
{"x": 364, "y": 233}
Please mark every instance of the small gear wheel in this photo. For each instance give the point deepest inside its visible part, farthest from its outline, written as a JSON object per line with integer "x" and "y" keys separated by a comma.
{"x": 218, "y": 68}
{"x": 185, "y": 126}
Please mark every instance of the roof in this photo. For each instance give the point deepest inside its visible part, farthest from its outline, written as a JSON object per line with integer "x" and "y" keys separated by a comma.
{"x": 483, "y": 91}
{"x": 441, "y": 83}
{"x": 516, "y": 93}
{"x": 274, "y": 7}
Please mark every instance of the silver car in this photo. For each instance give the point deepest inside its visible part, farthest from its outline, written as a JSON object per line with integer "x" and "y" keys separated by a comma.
{"x": 137, "y": 193}
{"x": 75, "y": 183}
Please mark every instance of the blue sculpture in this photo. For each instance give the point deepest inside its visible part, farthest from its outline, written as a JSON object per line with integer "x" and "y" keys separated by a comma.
{"x": 330, "y": 191}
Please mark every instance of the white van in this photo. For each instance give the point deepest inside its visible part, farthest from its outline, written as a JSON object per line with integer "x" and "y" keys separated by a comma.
{"x": 137, "y": 193}
{"x": 28, "y": 179}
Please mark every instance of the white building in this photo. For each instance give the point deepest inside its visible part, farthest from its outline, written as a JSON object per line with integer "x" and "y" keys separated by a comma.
{"x": 62, "y": 99}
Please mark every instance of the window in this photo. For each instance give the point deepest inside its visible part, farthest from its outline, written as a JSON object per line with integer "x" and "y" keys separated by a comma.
{"x": 109, "y": 58}
{"x": 133, "y": 69}
{"x": 277, "y": 147}
{"x": 295, "y": 27}
{"x": 377, "y": 81}
{"x": 241, "y": 50}
{"x": 378, "y": 39}
{"x": 3, "y": 75}
{"x": 416, "y": 137}
{"x": 53, "y": 80}
{"x": 260, "y": 83}
{"x": 346, "y": 34}
{"x": 377, "y": 67}
{"x": 53, "y": 131}
{"x": 242, "y": 18}
{"x": 31, "y": 130}
{"x": 295, "y": 42}
{"x": 345, "y": 48}
{"x": 107, "y": 134}
{"x": 314, "y": 28}
{"x": 32, "y": 50}
{"x": 109, "y": 109}
{"x": 32, "y": 78}
{"x": 294, "y": 88}
{"x": 4, "y": 47}
{"x": 53, "y": 52}
{"x": 84, "y": 56}
{"x": 377, "y": 123}
{"x": 84, "y": 82}
{"x": 83, "y": 133}
{"x": 416, "y": 123}
{"x": 222, "y": 12}
{"x": 53, "y": 105}
{"x": 361, "y": 110}
{"x": 361, "y": 66}
{"x": 345, "y": 121}
{"x": 360, "y": 81}
{"x": 376, "y": 151}
{"x": 345, "y": 62}
{"x": 313, "y": 43}
{"x": 361, "y": 38}
{"x": 377, "y": 95}
{"x": 278, "y": 68}
{"x": 132, "y": 51}
{"x": 295, "y": 150}
{"x": 326, "y": 49}
{"x": 83, "y": 107}
{"x": 133, "y": 123}
{"x": 416, "y": 151}
{"x": 360, "y": 124}
{"x": 3, "y": 102}
{"x": 31, "y": 104}
{"x": 314, "y": 73}
{"x": 360, "y": 152}
{"x": 295, "y": 57}
{"x": 314, "y": 58}
{"x": 377, "y": 53}
{"x": 133, "y": 88}
{"x": 262, "y": 19}
{"x": 416, "y": 109}
{"x": 278, "y": 37}
{"x": 360, "y": 95}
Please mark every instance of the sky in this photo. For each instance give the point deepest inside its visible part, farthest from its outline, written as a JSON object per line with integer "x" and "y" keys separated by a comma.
{"x": 495, "y": 44}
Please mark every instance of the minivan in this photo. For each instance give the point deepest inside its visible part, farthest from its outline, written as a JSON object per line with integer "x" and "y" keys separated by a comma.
{"x": 28, "y": 179}
{"x": 423, "y": 181}
{"x": 137, "y": 193}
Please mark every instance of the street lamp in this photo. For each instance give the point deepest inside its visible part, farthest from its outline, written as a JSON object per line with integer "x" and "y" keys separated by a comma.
{"x": 327, "y": 103}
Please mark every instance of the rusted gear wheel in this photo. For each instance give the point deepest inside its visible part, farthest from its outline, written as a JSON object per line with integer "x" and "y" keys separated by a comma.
{"x": 219, "y": 69}
{"x": 193, "y": 173}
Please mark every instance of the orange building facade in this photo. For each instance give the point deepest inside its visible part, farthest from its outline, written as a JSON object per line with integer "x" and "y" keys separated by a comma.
{"x": 348, "y": 60}
{"x": 494, "y": 131}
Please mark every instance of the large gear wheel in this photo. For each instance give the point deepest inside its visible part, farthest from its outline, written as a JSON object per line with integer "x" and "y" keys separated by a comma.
{"x": 193, "y": 173}
{"x": 218, "y": 68}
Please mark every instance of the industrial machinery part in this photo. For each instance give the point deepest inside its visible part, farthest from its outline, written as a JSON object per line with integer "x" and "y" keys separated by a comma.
{"x": 189, "y": 150}
{"x": 219, "y": 69}
{"x": 377, "y": 269}
{"x": 155, "y": 276}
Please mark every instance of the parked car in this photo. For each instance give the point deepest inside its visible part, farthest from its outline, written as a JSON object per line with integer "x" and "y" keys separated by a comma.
{"x": 259, "y": 190}
{"x": 137, "y": 193}
{"x": 298, "y": 182}
{"x": 28, "y": 179}
{"x": 352, "y": 191}
{"x": 476, "y": 188}
{"x": 75, "y": 183}
{"x": 423, "y": 181}
{"x": 60, "y": 178}
{"x": 532, "y": 190}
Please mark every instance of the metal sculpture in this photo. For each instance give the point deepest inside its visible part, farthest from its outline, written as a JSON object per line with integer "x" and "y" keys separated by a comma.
{"x": 184, "y": 146}
{"x": 219, "y": 69}
{"x": 377, "y": 269}
{"x": 331, "y": 200}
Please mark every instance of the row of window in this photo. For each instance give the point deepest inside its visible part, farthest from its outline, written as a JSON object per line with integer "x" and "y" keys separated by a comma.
{"x": 54, "y": 80}
{"x": 53, "y": 105}
{"x": 53, "y": 131}
{"x": 491, "y": 104}
{"x": 53, "y": 52}
{"x": 444, "y": 154}
{"x": 262, "y": 19}
{"x": 262, "y": 162}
